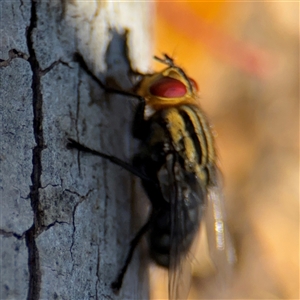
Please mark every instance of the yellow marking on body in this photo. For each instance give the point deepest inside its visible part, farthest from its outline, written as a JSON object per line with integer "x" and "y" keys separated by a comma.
{"x": 175, "y": 126}
{"x": 191, "y": 159}
{"x": 159, "y": 103}
{"x": 201, "y": 174}
{"x": 208, "y": 136}
{"x": 192, "y": 112}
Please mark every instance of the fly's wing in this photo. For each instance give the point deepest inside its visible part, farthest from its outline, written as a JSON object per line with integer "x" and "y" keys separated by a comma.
{"x": 220, "y": 246}
{"x": 179, "y": 279}
{"x": 186, "y": 198}
{"x": 184, "y": 227}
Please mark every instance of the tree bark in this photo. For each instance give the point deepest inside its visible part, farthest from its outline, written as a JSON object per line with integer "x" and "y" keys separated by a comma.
{"x": 66, "y": 217}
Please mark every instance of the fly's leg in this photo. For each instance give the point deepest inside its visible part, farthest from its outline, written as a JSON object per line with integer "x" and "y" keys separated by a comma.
{"x": 72, "y": 144}
{"x": 139, "y": 117}
{"x": 78, "y": 58}
{"x": 117, "y": 284}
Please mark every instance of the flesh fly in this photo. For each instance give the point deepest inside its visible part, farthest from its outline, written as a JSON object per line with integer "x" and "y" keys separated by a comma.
{"x": 176, "y": 162}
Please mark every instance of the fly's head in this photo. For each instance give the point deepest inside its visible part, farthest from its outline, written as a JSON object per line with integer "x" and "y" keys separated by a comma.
{"x": 170, "y": 87}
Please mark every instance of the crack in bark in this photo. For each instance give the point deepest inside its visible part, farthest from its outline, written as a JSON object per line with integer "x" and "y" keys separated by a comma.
{"x": 33, "y": 265}
{"x": 98, "y": 272}
{"x": 12, "y": 54}
{"x": 82, "y": 198}
{"x": 76, "y": 122}
{"x": 37, "y": 103}
{"x": 55, "y": 63}
{"x": 11, "y": 233}
{"x": 49, "y": 184}
{"x": 54, "y": 223}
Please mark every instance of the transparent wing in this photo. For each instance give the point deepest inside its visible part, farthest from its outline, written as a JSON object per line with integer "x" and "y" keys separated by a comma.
{"x": 220, "y": 245}
{"x": 184, "y": 228}
{"x": 180, "y": 279}
{"x": 186, "y": 198}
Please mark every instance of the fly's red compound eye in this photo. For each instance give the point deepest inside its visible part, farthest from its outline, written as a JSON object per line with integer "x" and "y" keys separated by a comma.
{"x": 168, "y": 87}
{"x": 194, "y": 84}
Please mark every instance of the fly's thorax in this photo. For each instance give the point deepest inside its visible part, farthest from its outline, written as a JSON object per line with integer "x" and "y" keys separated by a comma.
{"x": 184, "y": 131}
{"x": 176, "y": 121}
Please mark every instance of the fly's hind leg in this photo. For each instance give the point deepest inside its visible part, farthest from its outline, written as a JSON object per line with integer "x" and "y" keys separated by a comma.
{"x": 117, "y": 283}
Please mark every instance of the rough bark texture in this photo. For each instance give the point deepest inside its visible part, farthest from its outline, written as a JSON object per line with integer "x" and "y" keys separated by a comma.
{"x": 66, "y": 217}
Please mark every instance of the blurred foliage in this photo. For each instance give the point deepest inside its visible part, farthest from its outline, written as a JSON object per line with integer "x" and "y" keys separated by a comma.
{"x": 245, "y": 58}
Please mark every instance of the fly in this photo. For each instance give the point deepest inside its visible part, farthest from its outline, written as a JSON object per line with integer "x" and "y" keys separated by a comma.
{"x": 176, "y": 162}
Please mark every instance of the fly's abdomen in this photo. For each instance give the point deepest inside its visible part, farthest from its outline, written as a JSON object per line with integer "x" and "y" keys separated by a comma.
{"x": 166, "y": 234}
{"x": 159, "y": 239}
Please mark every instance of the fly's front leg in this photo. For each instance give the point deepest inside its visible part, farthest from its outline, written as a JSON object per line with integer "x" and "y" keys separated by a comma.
{"x": 78, "y": 58}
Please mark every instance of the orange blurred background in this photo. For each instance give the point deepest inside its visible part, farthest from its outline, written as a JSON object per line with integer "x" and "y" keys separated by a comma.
{"x": 245, "y": 58}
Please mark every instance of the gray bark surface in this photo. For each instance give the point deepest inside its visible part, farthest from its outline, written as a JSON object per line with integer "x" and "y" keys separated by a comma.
{"x": 66, "y": 218}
